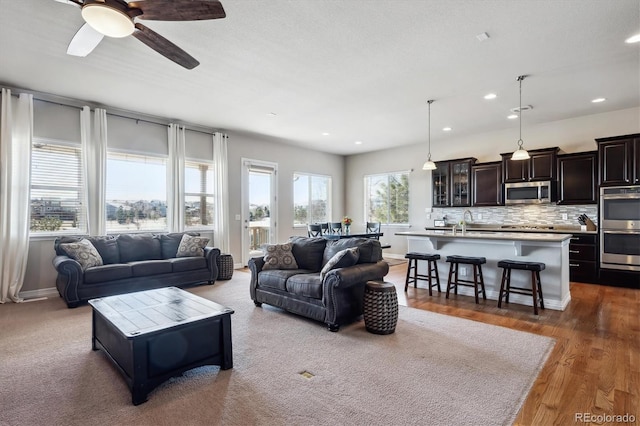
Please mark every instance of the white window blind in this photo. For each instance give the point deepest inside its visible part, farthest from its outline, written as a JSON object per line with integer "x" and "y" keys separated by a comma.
{"x": 136, "y": 195}
{"x": 311, "y": 199}
{"x": 56, "y": 188}
{"x": 198, "y": 194}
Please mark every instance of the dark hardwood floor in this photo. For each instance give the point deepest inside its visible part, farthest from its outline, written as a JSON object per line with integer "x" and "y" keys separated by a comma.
{"x": 595, "y": 365}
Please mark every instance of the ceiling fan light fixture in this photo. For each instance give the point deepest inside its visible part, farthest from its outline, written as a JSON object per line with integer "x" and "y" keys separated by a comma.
{"x": 108, "y": 19}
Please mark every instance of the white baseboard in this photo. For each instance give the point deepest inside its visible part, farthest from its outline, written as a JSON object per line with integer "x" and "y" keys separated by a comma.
{"x": 393, "y": 256}
{"x": 42, "y": 293}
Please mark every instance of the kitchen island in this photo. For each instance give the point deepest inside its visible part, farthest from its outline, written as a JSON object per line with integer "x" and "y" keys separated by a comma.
{"x": 549, "y": 248}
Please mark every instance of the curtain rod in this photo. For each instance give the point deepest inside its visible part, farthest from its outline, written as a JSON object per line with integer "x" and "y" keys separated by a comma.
{"x": 120, "y": 113}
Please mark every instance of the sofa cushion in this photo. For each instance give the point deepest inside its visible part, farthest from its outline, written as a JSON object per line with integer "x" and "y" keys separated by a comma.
{"x": 143, "y": 268}
{"x": 342, "y": 259}
{"x": 369, "y": 249}
{"x": 277, "y": 278}
{"x": 134, "y": 247}
{"x": 99, "y": 274}
{"x": 84, "y": 252}
{"x": 169, "y": 243}
{"x": 191, "y": 246}
{"x": 107, "y": 246}
{"x": 306, "y": 285}
{"x": 279, "y": 256}
{"x": 181, "y": 264}
{"x": 308, "y": 252}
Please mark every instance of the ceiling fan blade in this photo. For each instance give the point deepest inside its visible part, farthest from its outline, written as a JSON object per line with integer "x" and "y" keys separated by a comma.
{"x": 84, "y": 41}
{"x": 71, "y": 2}
{"x": 164, "y": 46}
{"x": 179, "y": 10}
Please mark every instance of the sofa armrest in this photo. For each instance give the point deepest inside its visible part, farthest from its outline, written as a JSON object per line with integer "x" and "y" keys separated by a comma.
{"x": 255, "y": 265}
{"x": 211, "y": 254}
{"x": 343, "y": 289}
{"x": 70, "y": 277}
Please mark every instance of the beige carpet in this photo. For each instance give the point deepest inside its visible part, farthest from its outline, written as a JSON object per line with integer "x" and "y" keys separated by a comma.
{"x": 435, "y": 370}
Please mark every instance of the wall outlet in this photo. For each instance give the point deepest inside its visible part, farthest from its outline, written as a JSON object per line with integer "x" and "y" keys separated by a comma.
{"x": 564, "y": 216}
{"x": 479, "y": 216}
{"x": 238, "y": 217}
{"x": 462, "y": 270}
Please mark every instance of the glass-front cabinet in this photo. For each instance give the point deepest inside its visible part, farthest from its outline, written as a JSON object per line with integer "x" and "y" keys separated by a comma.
{"x": 452, "y": 183}
{"x": 440, "y": 178}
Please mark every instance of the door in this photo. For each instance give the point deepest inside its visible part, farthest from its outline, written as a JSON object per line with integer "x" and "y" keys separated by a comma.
{"x": 259, "y": 207}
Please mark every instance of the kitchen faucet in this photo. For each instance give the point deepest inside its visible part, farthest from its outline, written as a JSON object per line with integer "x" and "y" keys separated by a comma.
{"x": 463, "y": 221}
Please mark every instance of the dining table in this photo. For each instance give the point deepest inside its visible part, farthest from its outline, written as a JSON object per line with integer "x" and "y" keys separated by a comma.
{"x": 375, "y": 235}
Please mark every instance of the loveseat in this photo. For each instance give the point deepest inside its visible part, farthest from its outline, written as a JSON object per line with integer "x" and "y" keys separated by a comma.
{"x": 317, "y": 278}
{"x": 98, "y": 266}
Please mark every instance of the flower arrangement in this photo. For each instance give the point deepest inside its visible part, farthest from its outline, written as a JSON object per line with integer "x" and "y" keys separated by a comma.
{"x": 346, "y": 221}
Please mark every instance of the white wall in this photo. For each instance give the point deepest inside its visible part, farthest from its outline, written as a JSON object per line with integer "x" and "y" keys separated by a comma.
{"x": 572, "y": 135}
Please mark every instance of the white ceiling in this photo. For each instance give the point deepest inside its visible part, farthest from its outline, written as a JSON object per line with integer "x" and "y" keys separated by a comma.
{"x": 358, "y": 69}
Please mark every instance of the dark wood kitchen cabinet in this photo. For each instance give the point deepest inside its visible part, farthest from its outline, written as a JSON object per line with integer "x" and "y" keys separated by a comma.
{"x": 577, "y": 178}
{"x": 583, "y": 258}
{"x": 486, "y": 184}
{"x": 452, "y": 183}
{"x": 540, "y": 166}
{"x": 619, "y": 158}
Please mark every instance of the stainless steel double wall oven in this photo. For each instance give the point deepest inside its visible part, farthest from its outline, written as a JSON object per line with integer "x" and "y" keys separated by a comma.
{"x": 620, "y": 228}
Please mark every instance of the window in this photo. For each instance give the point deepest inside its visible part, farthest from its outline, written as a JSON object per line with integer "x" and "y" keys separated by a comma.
{"x": 56, "y": 188}
{"x": 311, "y": 199}
{"x": 198, "y": 195}
{"x": 387, "y": 198}
{"x": 136, "y": 196}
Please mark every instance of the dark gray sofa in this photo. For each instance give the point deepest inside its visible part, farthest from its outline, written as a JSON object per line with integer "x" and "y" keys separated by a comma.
{"x": 132, "y": 262}
{"x": 334, "y": 300}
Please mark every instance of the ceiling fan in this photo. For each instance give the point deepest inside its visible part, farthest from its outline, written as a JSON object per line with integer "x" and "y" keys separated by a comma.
{"x": 117, "y": 18}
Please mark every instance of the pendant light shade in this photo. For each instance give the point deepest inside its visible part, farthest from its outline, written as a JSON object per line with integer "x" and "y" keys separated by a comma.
{"x": 429, "y": 165}
{"x": 520, "y": 153}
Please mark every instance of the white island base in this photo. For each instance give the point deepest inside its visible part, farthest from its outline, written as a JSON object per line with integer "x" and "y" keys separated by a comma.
{"x": 551, "y": 249}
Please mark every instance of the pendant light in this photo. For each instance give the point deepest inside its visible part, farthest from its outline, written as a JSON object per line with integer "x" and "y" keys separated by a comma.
{"x": 520, "y": 153}
{"x": 429, "y": 165}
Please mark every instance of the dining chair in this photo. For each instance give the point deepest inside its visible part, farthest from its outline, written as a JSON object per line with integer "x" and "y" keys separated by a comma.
{"x": 314, "y": 230}
{"x": 373, "y": 228}
{"x": 335, "y": 228}
{"x": 325, "y": 228}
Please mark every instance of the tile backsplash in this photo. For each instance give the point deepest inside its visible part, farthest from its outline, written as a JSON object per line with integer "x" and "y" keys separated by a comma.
{"x": 541, "y": 214}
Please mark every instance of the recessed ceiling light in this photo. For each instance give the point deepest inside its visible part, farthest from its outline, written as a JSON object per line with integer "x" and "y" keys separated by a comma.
{"x": 271, "y": 114}
{"x": 358, "y": 142}
{"x": 446, "y": 129}
{"x": 482, "y": 36}
{"x": 512, "y": 116}
{"x": 326, "y": 134}
{"x": 633, "y": 39}
{"x": 598, "y": 100}
{"x": 490, "y": 96}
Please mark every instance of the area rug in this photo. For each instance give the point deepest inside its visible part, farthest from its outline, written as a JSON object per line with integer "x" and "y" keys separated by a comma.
{"x": 435, "y": 370}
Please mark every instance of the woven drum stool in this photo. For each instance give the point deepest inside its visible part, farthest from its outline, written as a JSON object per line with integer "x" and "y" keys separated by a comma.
{"x": 225, "y": 266}
{"x": 380, "y": 307}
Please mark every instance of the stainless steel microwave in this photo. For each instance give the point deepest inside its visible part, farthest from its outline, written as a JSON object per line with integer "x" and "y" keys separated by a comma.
{"x": 528, "y": 192}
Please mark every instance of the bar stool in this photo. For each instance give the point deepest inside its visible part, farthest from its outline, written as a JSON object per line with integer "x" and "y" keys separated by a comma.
{"x": 432, "y": 267}
{"x": 536, "y": 286}
{"x": 478, "y": 280}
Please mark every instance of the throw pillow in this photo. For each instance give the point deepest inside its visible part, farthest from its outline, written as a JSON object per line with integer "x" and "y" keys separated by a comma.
{"x": 192, "y": 246}
{"x": 279, "y": 256}
{"x": 84, "y": 252}
{"x": 342, "y": 259}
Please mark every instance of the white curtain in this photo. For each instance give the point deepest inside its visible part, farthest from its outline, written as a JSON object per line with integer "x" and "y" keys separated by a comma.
{"x": 175, "y": 179}
{"x": 94, "y": 163}
{"x": 16, "y": 134}
{"x": 221, "y": 221}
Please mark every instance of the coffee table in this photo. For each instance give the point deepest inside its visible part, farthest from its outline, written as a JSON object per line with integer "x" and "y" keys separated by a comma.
{"x": 154, "y": 335}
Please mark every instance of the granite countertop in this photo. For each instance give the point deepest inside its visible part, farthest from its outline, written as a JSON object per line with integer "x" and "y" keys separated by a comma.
{"x": 489, "y": 235}
{"x": 557, "y": 229}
